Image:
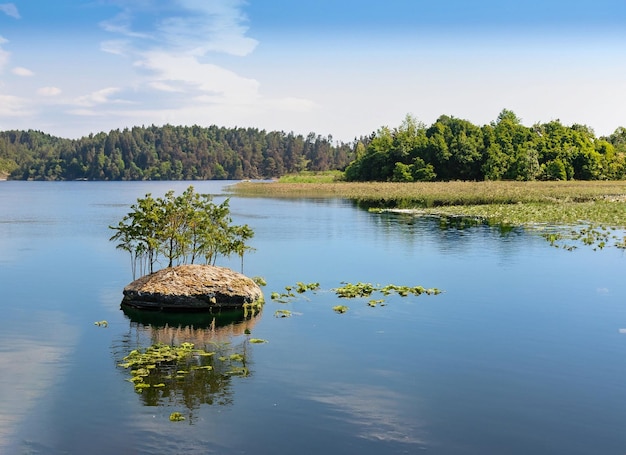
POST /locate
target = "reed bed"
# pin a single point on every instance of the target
(513, 203)
(432, 194)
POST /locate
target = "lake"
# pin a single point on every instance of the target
(521, 353)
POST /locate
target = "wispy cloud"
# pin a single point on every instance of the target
(10, 10)
(375, 411)
(49, 91)
(218, 26)
(122, 24)
(13, 106)
(4, 55)
(20, 71)
(166, 47)
(171, 47)
(206, 78)
(103, 96)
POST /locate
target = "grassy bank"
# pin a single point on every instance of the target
(515, 203)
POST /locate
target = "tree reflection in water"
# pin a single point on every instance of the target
(185, 376)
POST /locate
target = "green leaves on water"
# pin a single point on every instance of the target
(259, 280)
(176, 417)
(360, 290)
(289, 295)
(282, 313)
(161, 357)
(101, 324)
(591, 236)
(350, 291)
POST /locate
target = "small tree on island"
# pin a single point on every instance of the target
(180, 229)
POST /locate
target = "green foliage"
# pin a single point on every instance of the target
(176, 417)
(455, 149)
(288, 295)
(181, 229)
(312, 177)
(168, 153)
(260, 281)
(282, 313)
(555, 170)
(350, 291)
(257, 341)
(596, 237)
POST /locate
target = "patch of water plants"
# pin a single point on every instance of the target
(163, 372)
(349, 291)
(595, 237)
(282, 313)
(291, 292)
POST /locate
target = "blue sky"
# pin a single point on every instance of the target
(339, 67)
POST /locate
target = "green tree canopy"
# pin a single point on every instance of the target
(178, 230)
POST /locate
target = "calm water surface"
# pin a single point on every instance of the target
(521, 354)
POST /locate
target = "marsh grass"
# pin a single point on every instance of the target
(312, 177)
(506, 203)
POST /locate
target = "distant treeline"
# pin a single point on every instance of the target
(455, 149)
(168, 153)
(450, 149)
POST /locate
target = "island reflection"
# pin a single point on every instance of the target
(185, 360)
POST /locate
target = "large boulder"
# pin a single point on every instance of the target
(192, 288)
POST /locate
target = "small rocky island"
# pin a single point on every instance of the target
(192, 288)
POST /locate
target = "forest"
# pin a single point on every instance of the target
(449, 149)
(455, 149)
(168, 153)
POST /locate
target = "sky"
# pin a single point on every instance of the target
(343, 68)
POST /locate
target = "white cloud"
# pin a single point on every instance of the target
(102, 96)
(117, 47)
(20, 71)
(10, 10)
(49, 91)
(122, 24)
(376, 412)
(4, 55)
(13, 106)
(209, 79)
(164, 87)
(216, 26)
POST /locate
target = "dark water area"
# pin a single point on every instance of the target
(523, 352)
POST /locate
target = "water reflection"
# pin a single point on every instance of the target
(376, 411)
(29, 368)
(185, 360)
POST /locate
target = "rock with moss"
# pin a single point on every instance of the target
(192, 288)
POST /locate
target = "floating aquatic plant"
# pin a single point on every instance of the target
(289, 295)
(260, 281)
(176, 417)
(162, 357)
(592, 236)
(303, 287)
(101, 323)
(340, 308)
(257, 340)
(351, 291)
(282, 313)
